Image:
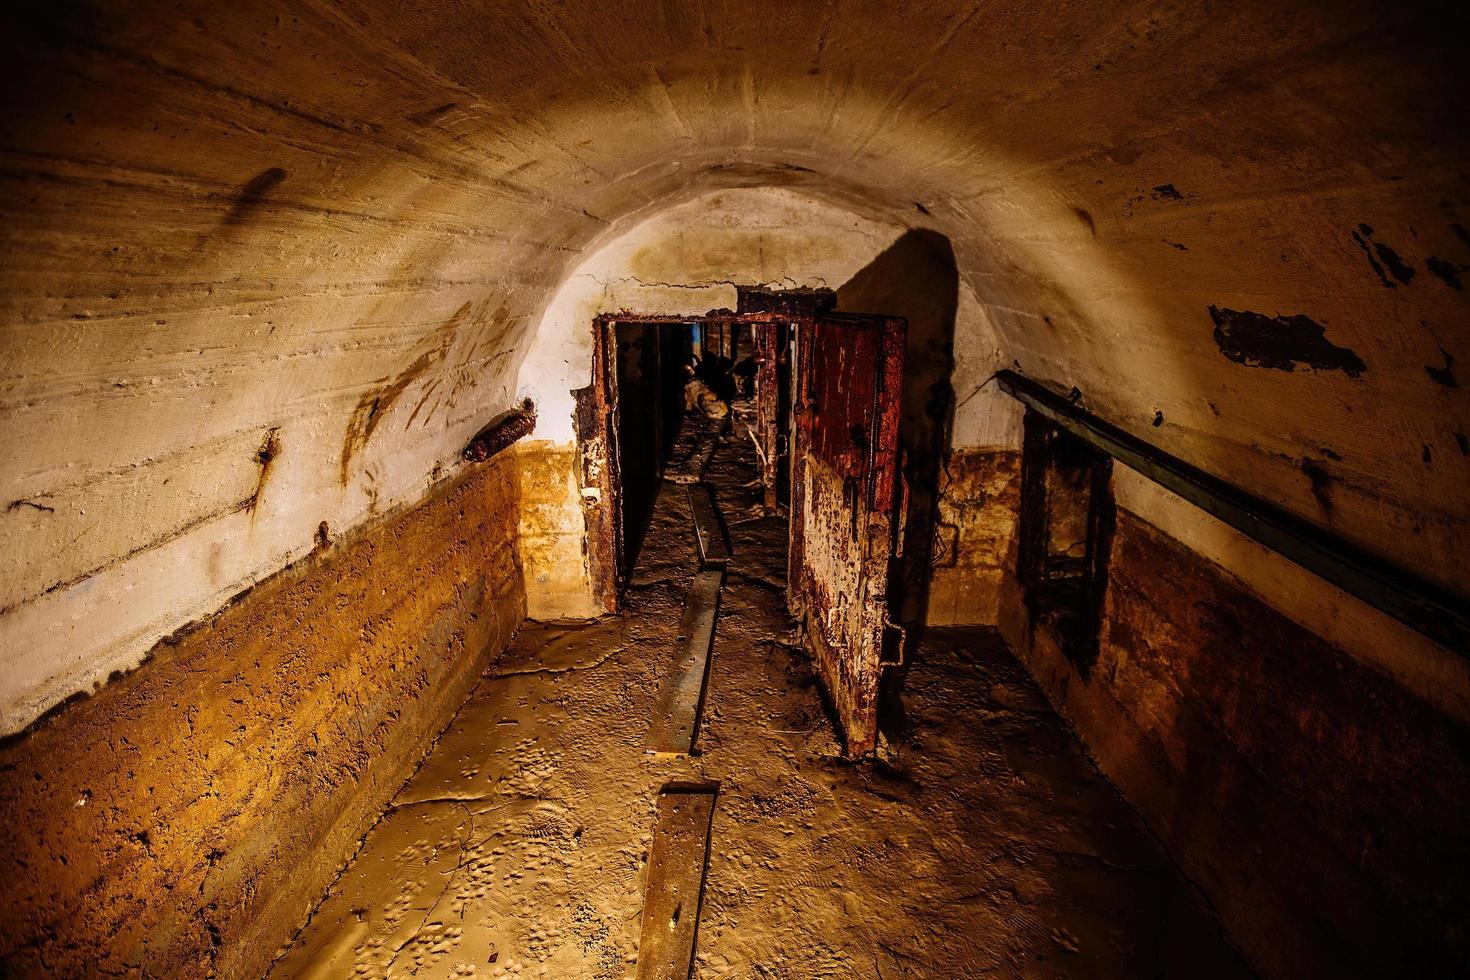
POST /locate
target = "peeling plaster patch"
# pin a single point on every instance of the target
(1373, 262)
(1443, 375)
(1280, 342)
(1386, 256)
(1447, 272)
(1400, 269)
(1159, 194)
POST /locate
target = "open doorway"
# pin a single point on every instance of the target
(1066, 532)
(819, 396)
(651, 365)
(659, 383)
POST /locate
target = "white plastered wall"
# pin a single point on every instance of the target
(689, 259)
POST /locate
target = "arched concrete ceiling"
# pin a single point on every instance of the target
(270, 264)
(691, 257)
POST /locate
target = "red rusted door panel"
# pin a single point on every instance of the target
(849, 380)
(766, 341)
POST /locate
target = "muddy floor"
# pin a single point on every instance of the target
(985, 845)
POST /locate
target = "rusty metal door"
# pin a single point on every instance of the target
(596, 424)
(845, 491)
(766, 339)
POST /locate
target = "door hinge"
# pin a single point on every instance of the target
(895, 643)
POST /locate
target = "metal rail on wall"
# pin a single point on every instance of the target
(1421, 605)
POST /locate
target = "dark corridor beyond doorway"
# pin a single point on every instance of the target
(651, 360)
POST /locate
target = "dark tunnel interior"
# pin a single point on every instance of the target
(816, 489)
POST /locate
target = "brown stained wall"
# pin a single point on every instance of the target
(974, 536)
(1317, 803)
(186, 817)
(1208, 216)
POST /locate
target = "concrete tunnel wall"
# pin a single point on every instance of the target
(329, 232)
(269, 265)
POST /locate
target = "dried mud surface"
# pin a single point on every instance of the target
(984, 844)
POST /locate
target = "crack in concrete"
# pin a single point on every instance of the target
(782, 283)
(556, 670)
(1104, 862)
(396, 805)
(448, 883)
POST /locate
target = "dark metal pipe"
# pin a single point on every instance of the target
(501, 433)
(1421, 605)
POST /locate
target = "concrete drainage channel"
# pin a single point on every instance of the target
(681, 832)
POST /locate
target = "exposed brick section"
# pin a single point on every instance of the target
(974, 535)
(1317, 803)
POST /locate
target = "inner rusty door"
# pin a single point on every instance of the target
(768, 343)
(598, 422)
(845, 488)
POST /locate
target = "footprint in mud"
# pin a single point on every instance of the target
(528, 770)
(550, 825)
(1066, 940)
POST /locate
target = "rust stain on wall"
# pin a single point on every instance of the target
(266, 455)
(374, 406)
(253, 195)
(183, 820)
